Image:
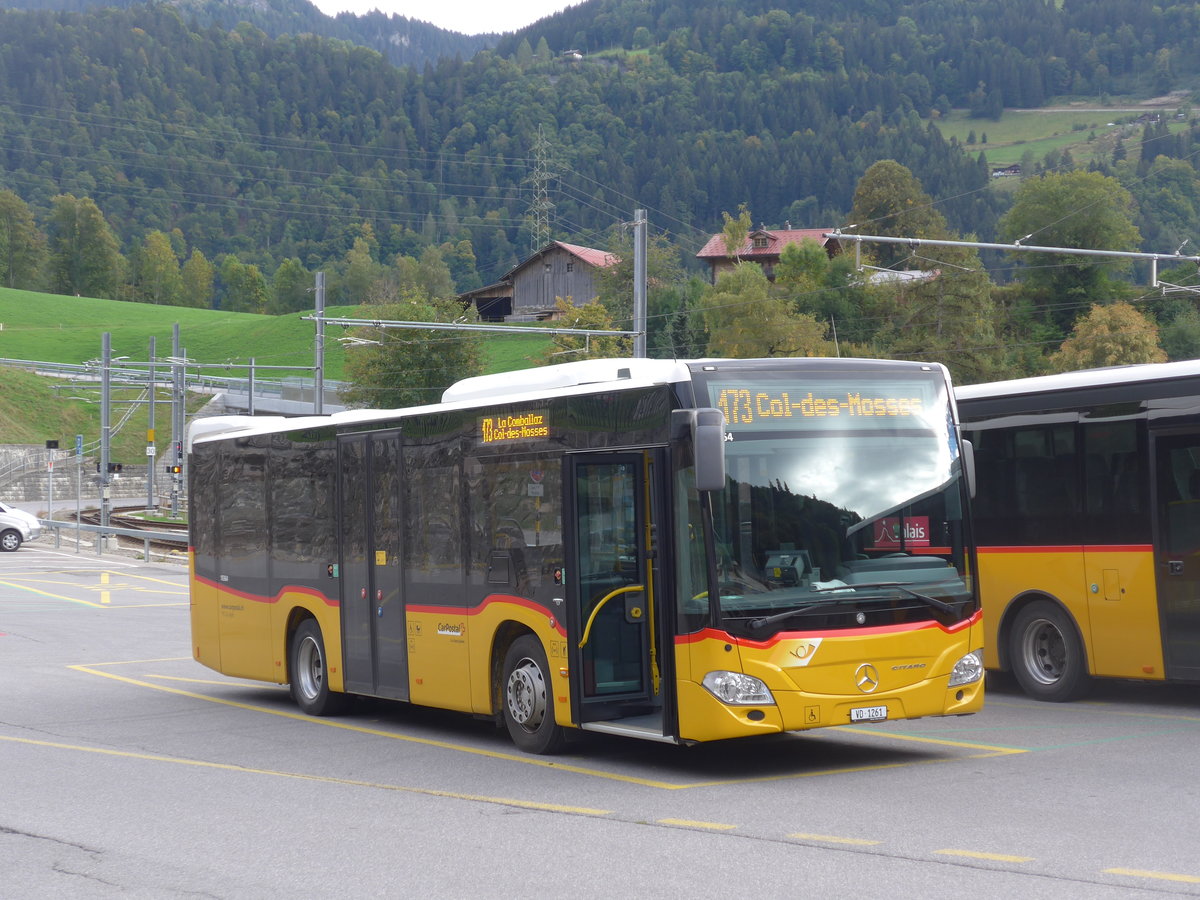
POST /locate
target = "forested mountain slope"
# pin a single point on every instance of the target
(281, 147)
(402, 40)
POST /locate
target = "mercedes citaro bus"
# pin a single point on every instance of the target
(673, 551)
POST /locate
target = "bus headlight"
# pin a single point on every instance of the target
(736, 689)
(967, 670)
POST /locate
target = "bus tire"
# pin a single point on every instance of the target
(1047, 655)
(309, 673)
(527, 698)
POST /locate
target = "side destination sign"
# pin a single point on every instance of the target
(526, 426)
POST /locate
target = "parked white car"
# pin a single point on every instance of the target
(16, 527)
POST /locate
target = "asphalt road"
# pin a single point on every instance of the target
(127, 769)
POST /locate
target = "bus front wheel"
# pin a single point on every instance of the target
(309, 673)
(1047, 655)
(527, 698)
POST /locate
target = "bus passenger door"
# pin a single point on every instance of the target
(614, 622)
(1177, 550)
(373, 629)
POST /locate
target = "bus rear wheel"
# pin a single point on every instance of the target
(1047, 655)
(527, 698)
(309, 673)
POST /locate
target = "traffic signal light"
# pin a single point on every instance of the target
(175, 470)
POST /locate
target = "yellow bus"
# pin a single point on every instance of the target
(672, 551)
(1087, 521)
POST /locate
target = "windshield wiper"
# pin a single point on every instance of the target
(757, 624)
(933, 602)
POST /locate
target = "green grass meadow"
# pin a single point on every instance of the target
(1086, 133)
(53, 328)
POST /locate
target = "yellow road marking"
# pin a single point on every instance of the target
(360, 729)
(831, 839)
(549, 764)
(139, 662)
(214, 681)
(479, 798)
(998, 751)
(1085, 706)
(104, 588)
(996, 857)
(22, 587)
(1161, 876)
(688, 823)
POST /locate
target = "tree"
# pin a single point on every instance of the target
(1180, 332)
(735, 231)
(614, 282)
(744, 319)
(22, 245)
(1084, 210)
(290, 288)
(409, 367)
(829, 290)
(949, 318)
(197, 275)
(889, 201)
(572, 347)
(243, 288)
(156, 271)
(674, 325)
(359, 272)
(428, 275)
(1113, 335)
(459, 258)
(84, 257)
(524, 54)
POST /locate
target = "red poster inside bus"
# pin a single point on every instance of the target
(890, 530)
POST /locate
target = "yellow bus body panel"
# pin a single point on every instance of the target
(328, 615)
(1110, 592)
(814, 678)
(439, 667)
(247, 637)
(450, 654)
(204, 606)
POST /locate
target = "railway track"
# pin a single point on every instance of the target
(121, 520)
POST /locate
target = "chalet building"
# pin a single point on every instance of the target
(528, 291)
(763, 247)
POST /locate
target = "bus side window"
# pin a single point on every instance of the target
(1114, 482)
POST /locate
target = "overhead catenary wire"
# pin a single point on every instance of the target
(1018, 246)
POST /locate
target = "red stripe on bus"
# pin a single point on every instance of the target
(715, 634)
(1073, 548)
(259, 598)
(503, 599)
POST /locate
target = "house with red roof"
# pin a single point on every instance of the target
(528, 291)
(763, 246)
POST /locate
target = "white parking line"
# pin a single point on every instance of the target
(32, 556)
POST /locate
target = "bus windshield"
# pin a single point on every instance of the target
(844, 520)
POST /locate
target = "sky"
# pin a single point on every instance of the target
(466, 16)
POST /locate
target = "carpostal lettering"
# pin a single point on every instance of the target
(519, 427)
(452, 628)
